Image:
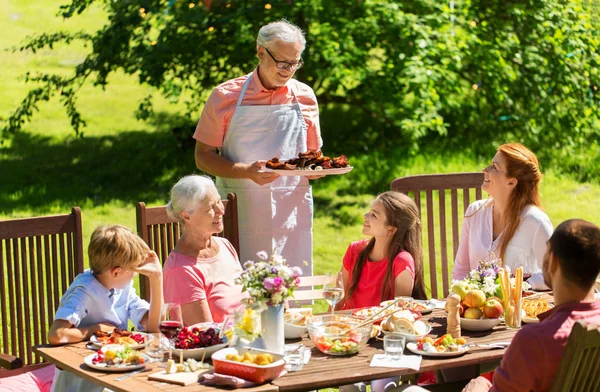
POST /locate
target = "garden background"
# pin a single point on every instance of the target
(404, 88)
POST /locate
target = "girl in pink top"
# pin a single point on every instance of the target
(199, 273)
(369, 276)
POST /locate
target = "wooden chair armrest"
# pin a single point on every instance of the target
(10, 362)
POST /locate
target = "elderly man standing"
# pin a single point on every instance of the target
(251, 119)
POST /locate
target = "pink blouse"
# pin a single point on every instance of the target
(187, 279)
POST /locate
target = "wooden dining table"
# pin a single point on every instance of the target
(322, 371)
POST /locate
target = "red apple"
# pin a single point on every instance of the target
(475, 298)
(461, 309)
(473, 314)
(492, 308)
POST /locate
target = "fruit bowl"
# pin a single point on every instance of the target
(247, 371)
(199, 342)
(334, 335)
(477, 325)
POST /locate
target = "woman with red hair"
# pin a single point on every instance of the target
(509, 224)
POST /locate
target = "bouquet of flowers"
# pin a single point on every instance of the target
(269, 281)
(485, 277)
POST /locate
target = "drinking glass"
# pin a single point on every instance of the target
(333, 290)
(153, 346)
(393, 345)
(294, 356)
(171, 323)
(247, 323)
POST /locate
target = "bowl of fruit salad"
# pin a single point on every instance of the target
(338, 334)
(198, 342)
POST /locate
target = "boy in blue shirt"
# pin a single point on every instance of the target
(103, 297)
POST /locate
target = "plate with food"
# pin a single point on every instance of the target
(116, 358)
(134, 340)
(533, 308)
(530, 294)
(445, 346)
(310, 163)
(405, 323)
(312, 172)
(295, 322)
(423, 306)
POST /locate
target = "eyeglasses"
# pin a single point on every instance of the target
(284, 64)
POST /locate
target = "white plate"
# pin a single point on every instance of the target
(113, 368)
(97, 344)
(413, 347)
(478, 325)
(304, 173)
(410, 337)
(530, 320)
(428, 306)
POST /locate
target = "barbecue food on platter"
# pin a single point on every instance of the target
(310, 160)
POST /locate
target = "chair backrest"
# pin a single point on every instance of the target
(579, 368)
(39, 258)
(444, 188)
(161, 232)
(307, 292)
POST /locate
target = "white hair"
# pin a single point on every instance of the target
(283, 31)
(188, 193)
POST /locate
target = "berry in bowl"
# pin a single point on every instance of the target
(198, 342)
(338, 334)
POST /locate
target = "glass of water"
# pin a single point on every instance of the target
(333, 290)
(294, 356)
(155, 347)
(393, 345)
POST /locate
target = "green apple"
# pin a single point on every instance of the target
(461, 289)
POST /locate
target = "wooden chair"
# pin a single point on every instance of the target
(579, 368)
(307, 293)
(161, 232)
(440, 187)
(39, 258)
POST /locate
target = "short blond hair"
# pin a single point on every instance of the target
(115, 246)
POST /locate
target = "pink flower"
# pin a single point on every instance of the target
(269, 284)
(278, 281)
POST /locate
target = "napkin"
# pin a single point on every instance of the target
(406, 361)
(228, 381)
(307, 354)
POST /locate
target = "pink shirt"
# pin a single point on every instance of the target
(532, 359)
(220, 106)
(187, 279)
(368, 292)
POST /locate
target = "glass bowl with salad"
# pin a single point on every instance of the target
(338, 334)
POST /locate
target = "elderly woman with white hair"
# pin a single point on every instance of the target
(251, 119)
(199, 273)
